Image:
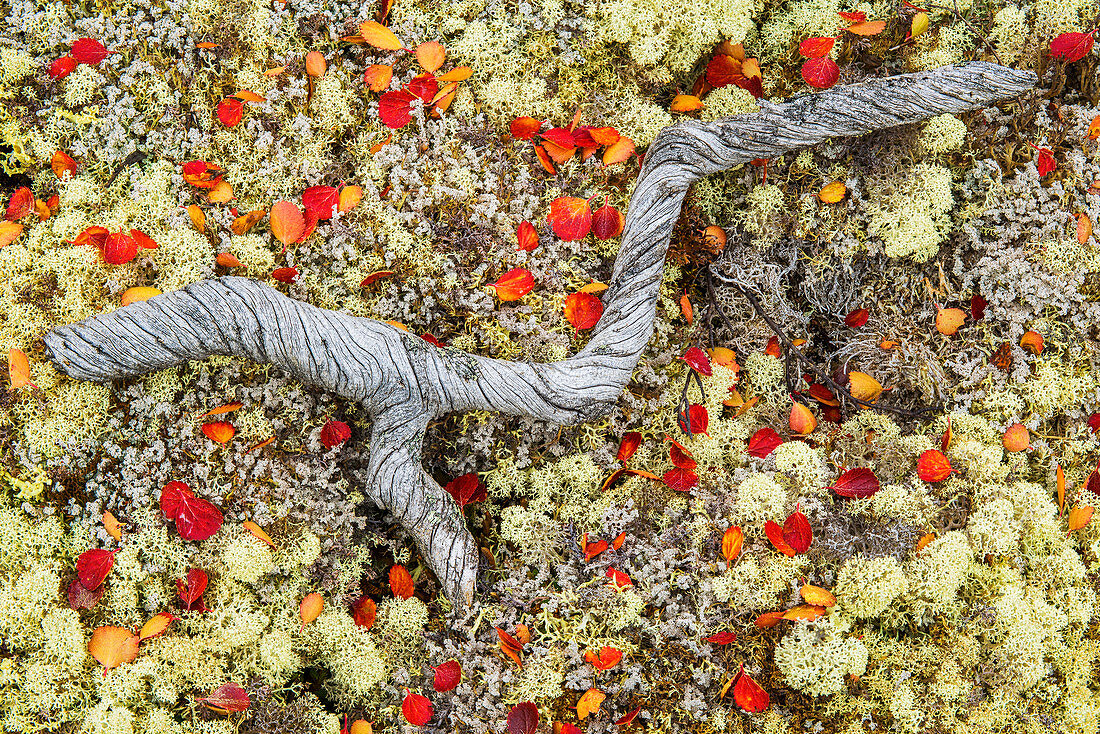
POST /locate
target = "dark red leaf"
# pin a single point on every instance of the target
(625, 719)
(680, 456)
(560, 137)
(447, 676)
(285, 275)
(607, 222)
(696, 421)
(682, 480)
(1071, 47)
(523, 718)
(195, 518)
(364, 612)
(376, 275)
(860, 482)
(335, 433)
(724, 637)
(395, 108)
(92, 566)
(857, 318)
(697, 359)
(763, 442)
(1045, 162)
(89, 51)
(977, 306)
(853, 16)
(1093, 483)
(81, 597)
(191, 590)
(320, 200)
(630, 443)
(416, 708)
(1094, 422)
(797, 532)
(466, 489)
(229, 697)
(821, 73)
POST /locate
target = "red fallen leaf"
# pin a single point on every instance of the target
(617, 543)
(823, 395)
(191, 590)
(813, 48)
(93, 565)
(401, 583)
(425, 86)
(570, 217)
(524, 128)
(582, 137)
(466, 489)
(1070, 47)
(61, 162)
(696, 420)
(591, 550)
(1094, 422)
(772, 349)
(797, 532)
(219, 431)
(619, 579)
(821, 73)
(510, 646)
(395, 108)
(523, 718)
(230, 111)
(860, 482)
(376, 275)
(763, 442)
(229, 697)
(81, 597)
(144, 241)
(748, 694)
(1093, 483)
(321, 200)
(857, 318)
(20, 204)
(335, 433)
(977, 306)
(310, 224)
(933, 466)
(682, 480)
(364, 612)
(203, 174)
(285, 275)
(630, 443)
(416, 709)
(623, 720)
(768, 620)
(119, 248)
(1045, 162)
(606, 658)
(514, 284)
(775, 535)
(724, 637)
(89, 51)
(95, 236)
(697, 359)
(607, 222)
(62, 67)
(680, 457)
(527, 237)
(195, 518)
(583, 310)
(447, 676)
(853, 16)
(723, 70)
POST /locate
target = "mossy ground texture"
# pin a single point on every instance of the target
(993, 626)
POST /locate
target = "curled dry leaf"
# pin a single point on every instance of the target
(1032, 341)
(510, 646)
(401, 582)
(113, 646)
(593, 549)
(1084, 227)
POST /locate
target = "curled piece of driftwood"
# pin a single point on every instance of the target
(404, 382)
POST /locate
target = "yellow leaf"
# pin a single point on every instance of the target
(138, 293)
(19, 369)
(379, 36)
(864, 387)
(948, 320)
(919, 25)
(221, 193)
(590, 702)
(275, 71)
(112, 526)
(686, 103)
(1078, 517)
(258, 532)
(113, 646)
(594, 287)
(725, 357)
(350, 196)
(361, 726)
(9, 231)
(817, 596)
(198, 218)
(832, 193)
(155, 626)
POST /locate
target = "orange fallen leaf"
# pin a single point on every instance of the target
(510, 646)
(948, 320)
(514, 284)
(379, 36)
(113, 646)
(222, 409)
(1032, 341)
(1078, 518)
(310, 608)
(258, 532)
(378, 77)
(401, 582)
(769, 619)
(19, 369)
(198, 217)
(605, 658)
(9, 232)
(832, 193)
(156, 626)
(924, 541)
(590, 702)
(287, 222)
(112, 526)
(1060, 481)
(431, 55)
(686, 310)
(246, 222)
(138, 293)
(805, 612)
(219, 431)
(685, 103)
(731, 542)
(619, 151)
(817, 596)
(864, 387)
(457, 74)
(802, 420)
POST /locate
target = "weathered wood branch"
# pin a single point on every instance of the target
(404, 382)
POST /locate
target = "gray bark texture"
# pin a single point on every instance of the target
(404, 382)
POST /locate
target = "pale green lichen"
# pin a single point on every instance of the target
(815, 657)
